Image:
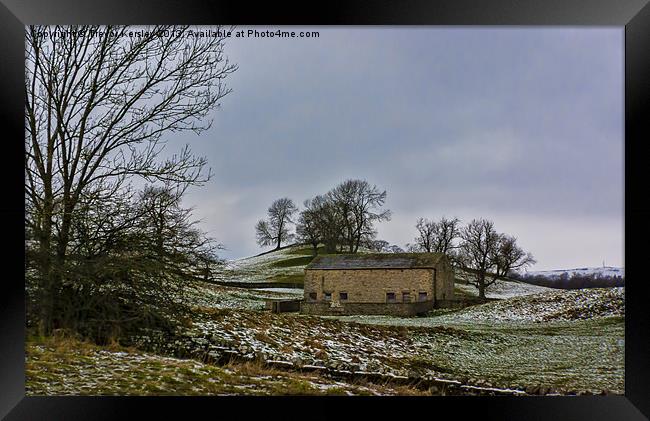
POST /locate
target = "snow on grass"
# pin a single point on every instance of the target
(298, 340)
(552, 306)
(535, 337)
(206, 295)
(548, 306)
(297, 292)
(562, 352)
(604, 271)
(262, 268)
(69, 367)
(501, 289)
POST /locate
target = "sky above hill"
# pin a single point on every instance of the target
(523, 126)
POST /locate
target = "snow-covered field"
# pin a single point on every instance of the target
(260, 268)
(296, 293)
(532, 339)
(533, 335)
(221, 297)
(71, 367)
(502, 289)
(562, 305)
(605, 271)
(562, 340)
(553, 306)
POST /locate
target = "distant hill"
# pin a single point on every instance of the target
(605, 271)
(587, 277)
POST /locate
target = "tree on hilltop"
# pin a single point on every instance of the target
(479, 242)
(485, 255)
(275, 229)
(435, 237)
(358, 205)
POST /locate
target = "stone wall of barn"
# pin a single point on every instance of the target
(368, 285)
(344, 309)
(364, 291)
(372, 285)
(445, 283)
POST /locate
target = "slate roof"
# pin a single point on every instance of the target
(376, 261)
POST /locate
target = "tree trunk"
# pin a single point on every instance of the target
(481, 286)
(330, 247)
(46, 292)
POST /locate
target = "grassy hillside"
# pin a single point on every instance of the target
(284, 265)
(532, 341)
(287, 265)
(57, 366)
(536, 341)
(501, 289)
(561, 357)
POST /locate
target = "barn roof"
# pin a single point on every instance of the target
(376, 261)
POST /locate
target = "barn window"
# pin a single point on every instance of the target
(343, 296)
(422, 296)
(390, 297)
(313, 296)
(406, 297)
(328, 296)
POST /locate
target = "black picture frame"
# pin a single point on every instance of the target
(633, 15)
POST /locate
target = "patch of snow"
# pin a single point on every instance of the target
(492, 389)
(554, 305)
(292, 291)
(502, 289)
(604, 271)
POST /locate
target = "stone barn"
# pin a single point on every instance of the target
(401, 284)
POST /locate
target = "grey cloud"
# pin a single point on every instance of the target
(505, 121)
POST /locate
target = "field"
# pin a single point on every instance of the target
(285, 265)
(533, 340)
(65, 366)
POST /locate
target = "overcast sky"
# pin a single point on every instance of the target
(523, 126)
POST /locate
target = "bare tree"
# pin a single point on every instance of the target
(479, 243)
(379, 246)
(328, 222)
(434, 236)
(128, 261)
(487, 256)
(424, 240)
(394, 248)
(98, 102)
(383, 246)
(308, 227)
(508, 256)
(275, 230)
(358, 204)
